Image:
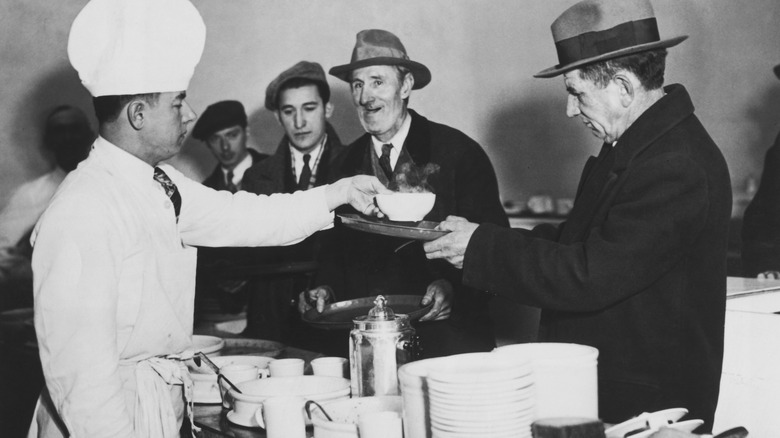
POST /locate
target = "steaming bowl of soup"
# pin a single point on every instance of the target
(406, 207)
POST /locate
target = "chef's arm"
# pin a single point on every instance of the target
(75, 321)
(219, 218)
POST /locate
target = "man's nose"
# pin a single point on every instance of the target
(365, 97)
(572, 107)
(224, 144)
(188, 114)
(299, 120)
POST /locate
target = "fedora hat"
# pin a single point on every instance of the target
(380, 47)
(598, 30)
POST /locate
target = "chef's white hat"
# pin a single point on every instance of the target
(136, 46)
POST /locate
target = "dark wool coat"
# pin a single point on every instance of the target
(365, 264)
(639, 268)
(271, 311)
(217, 179)
(761, 222)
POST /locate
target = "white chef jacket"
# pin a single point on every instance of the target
(114, 276)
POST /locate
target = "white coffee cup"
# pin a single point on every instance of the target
(382, 424)
(286, 367)
(282, 417)
(236, 373)
(329, 366)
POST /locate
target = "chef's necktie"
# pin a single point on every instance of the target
(229, 182)
(170, 189)
(384, 161)
(303, 181)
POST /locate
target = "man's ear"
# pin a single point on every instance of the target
(328, 110)
(626, 88)
(136, 113)
(277, 115)
(407, 85)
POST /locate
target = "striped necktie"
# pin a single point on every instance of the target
(384, 161)
(170, 189)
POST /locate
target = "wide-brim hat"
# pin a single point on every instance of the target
(597, 30)
(380, 47)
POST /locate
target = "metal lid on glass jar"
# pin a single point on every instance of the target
(381, 318)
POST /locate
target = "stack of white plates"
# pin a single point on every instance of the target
(565, 377)
(481, 395)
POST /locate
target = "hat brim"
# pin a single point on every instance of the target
(560, 69)
(422, 76)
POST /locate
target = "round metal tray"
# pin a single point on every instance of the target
(423, 230)
(339, 316)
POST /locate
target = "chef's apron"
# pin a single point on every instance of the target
(157, 389)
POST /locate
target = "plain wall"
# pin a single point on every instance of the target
(482, 55)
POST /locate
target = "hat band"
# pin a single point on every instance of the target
(592, 44)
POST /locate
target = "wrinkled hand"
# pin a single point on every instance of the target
(769, 275)
(440, 293)
(357, 191)
(666, 432)
(452, 246)
(318, 297)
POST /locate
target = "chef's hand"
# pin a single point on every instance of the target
(666, 432)
(440, 293)
(314, 298)
(452, 246)
(769, 275)
(357, 191)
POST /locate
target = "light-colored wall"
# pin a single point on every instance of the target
(482, 55)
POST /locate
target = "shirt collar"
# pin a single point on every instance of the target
(240, 168)
(121, 161)
(398, 139)
(298, 155)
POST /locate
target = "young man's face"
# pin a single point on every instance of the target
(165, 125)
(228, 145)
(303, 116)
(379, 95)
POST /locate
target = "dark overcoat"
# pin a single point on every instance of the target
(761, 222)
(639, 268)
(365, 264)
(271, 311)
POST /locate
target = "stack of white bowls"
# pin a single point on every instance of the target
(565, 377)
(480, 395)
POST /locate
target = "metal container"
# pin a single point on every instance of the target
(380, 342)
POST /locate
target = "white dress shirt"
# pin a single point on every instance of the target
(114, 277)
(397, 141)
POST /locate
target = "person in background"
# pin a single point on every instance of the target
(67, 137)
(761, 221)
(114, 253)
(305, 158)
(223, 128)
(401, 145)
(638, 269)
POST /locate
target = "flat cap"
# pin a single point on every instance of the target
(218, 116)
(302, 70)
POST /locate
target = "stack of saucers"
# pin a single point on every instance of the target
(481, 395)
